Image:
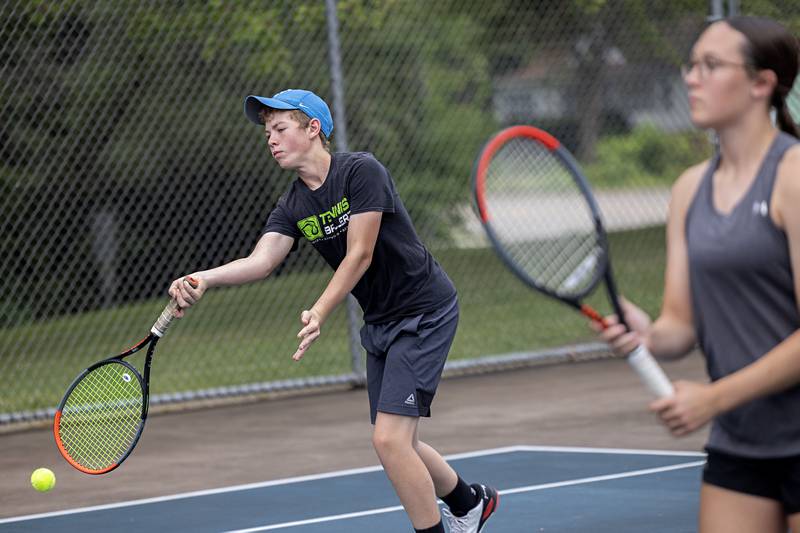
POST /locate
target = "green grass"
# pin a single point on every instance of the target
(500, 314)
(240, 335)
(247, 334)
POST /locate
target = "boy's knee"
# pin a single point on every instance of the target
(389, 441)
(384, 441)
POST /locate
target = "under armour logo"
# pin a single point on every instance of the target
(410, 400)
(760, 208)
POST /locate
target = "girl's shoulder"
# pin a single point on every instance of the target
(685, 187)
(788, 172)
(790, 163)
(786, 192)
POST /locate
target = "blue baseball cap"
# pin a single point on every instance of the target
(306, 101)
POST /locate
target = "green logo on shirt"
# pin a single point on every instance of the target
(309, 226)
(328, 223)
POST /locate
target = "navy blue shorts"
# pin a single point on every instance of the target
(405, 359)
(776, 479)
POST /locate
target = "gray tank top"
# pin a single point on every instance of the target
(744, 304)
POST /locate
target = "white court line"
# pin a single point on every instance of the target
(631, 473)
(624, 451)
(338, 473)
(518, 490)
(320, 519)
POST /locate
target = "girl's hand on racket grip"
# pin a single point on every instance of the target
(691, 407)
(187, 290)
(311, 330)
(619, 339)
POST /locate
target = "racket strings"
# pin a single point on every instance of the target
(98, 433)
(102, 416)
(541, 217)
(563, 268)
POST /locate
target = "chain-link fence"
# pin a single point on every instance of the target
(126, 161)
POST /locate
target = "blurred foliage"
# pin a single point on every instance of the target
(135, 110)
(646, 157)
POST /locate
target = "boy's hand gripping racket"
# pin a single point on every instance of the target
(102, 415)
(544, 223)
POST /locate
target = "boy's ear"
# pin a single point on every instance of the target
(314, 127)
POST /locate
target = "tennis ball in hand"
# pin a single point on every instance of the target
(43, 479)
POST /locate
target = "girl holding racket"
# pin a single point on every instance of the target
(732, 280)
(347, 207)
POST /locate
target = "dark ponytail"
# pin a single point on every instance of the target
(770, 46)
(785, 120)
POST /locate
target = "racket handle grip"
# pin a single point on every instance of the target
(650, 372)
(166, 318)
(168, 314)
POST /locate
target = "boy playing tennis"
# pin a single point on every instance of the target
(347, 207)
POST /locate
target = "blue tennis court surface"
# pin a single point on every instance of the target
(548, 489)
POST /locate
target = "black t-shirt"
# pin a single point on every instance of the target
(403, 279)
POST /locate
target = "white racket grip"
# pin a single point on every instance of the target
(650, 372)
(166, 318)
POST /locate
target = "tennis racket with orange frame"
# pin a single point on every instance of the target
(544, 223)
(102, 415)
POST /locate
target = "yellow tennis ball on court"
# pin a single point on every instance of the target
(43, 479)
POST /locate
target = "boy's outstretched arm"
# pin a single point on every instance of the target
(269, 252)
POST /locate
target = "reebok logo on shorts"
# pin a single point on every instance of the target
(411, 400)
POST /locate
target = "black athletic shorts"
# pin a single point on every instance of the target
(776, 479)
(405, 359)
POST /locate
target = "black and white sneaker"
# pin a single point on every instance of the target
(473, 521)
